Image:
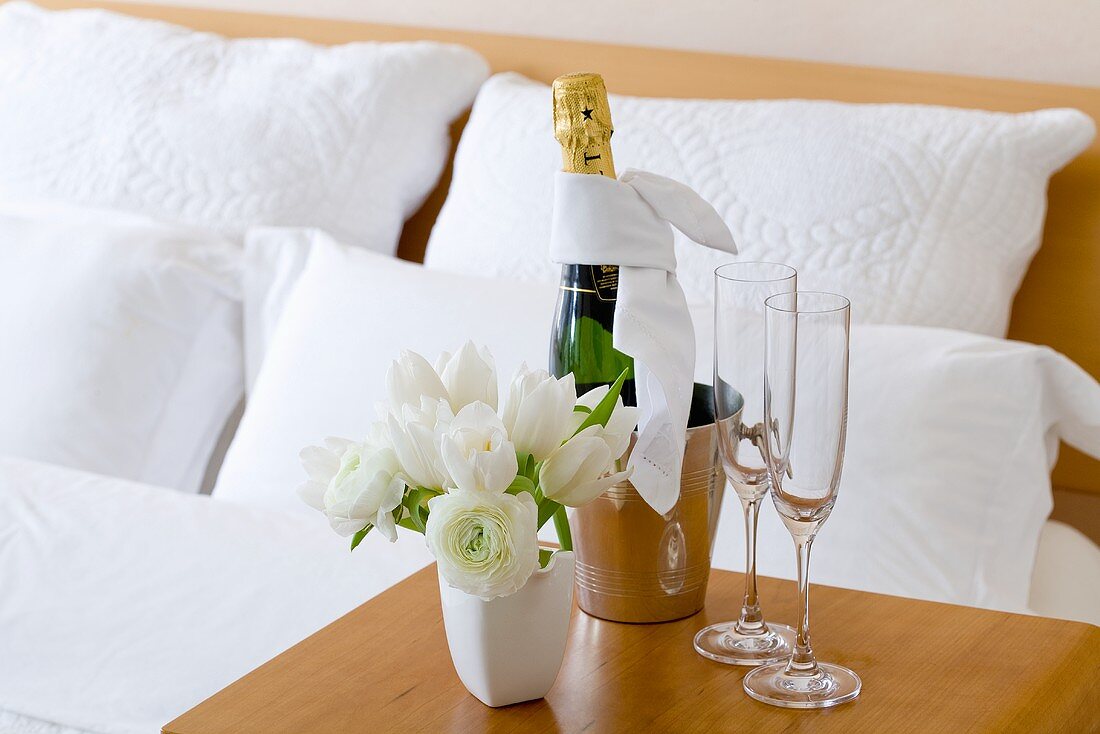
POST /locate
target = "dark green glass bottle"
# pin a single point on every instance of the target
(581, 340)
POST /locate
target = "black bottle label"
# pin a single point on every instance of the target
(601, 280)
(605, 278)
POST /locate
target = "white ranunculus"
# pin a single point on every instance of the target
(623, 421)
(410, 379)
(580, 470)
(538, 412)
(484, 544)
(476, 450)
(415, 434)
(469, 376)
(353, 484)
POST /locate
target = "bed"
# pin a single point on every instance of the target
(1058, 305)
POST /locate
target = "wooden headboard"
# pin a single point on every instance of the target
(1059, 303)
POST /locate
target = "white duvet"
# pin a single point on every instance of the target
(123, 605)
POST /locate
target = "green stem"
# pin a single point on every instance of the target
(561, 525)
(544, 556)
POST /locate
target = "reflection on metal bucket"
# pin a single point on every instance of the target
(673, 553)
(634, 565)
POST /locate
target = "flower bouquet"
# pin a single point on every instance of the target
(479, 483)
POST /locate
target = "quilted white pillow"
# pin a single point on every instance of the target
(921, 215)
(110, 110)
(120, 345)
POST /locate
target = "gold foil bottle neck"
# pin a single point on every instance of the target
(582, 124)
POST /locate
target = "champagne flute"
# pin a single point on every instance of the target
(739, 293)
(806, 412)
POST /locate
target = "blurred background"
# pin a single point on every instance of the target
(1050, 41)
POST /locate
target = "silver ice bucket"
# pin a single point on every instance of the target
(634, 565)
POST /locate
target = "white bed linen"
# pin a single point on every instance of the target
(324, 367)
(951, 435)
(13, 723)
(123, 604)
(120, 341)
(1066, 580)
(920, 215)
(946, 478)
(108, 109)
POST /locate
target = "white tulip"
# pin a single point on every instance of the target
(415, 434)
(353, 484)
(580, 470)
(538, 412)
(321, 464)
(623, 421)
(469, 376)
(477, 452)
(410, 379)
(484, 544)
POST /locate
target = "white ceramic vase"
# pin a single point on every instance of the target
(509, 649)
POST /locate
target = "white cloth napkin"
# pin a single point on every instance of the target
(628, 222)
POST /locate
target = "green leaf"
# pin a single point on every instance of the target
(521, 484)
(410, 505)
(601, 414)
(358, 537)
(407, 523)
(581, 409)
(547, 508)
(415, 501)
(545, 554)
(521, 462)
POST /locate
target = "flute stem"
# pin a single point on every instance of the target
(751, 621)
(802, 661)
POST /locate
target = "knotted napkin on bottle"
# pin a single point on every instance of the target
(628, 222)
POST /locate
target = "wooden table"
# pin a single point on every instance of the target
(926, 667)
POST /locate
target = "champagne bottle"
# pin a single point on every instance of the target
(581, 340)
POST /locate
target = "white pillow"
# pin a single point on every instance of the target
(324, 369)
(124, 605)
(111, 110)
(950, 441)
(946, 478)
(121, 342)
(921, 215)
(274, 258)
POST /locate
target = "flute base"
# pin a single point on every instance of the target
(724, 644)
(832, 685)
